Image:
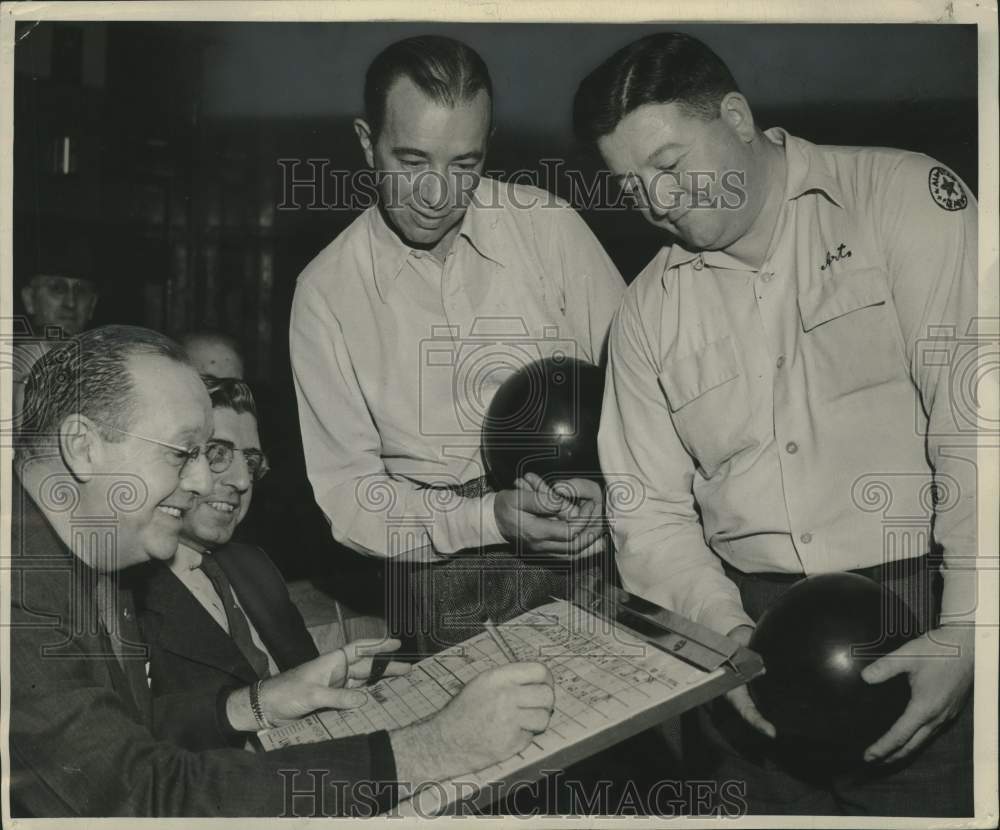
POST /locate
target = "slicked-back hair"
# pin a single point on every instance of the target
(230, 393)
(444, 69)
(88, 375)
(663, 68)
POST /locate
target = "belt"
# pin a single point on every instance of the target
(880, 573)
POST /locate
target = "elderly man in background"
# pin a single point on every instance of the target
(59, 291)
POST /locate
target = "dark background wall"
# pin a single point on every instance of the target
(176, 131)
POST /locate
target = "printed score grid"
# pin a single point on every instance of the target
(604, 676)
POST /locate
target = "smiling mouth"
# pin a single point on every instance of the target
(221, 506)
(170, 510)
(430, 220)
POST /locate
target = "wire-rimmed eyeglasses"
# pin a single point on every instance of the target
(218, 453)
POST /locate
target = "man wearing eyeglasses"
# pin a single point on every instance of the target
(218, 616)
(114, 457)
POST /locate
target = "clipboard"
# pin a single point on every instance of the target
(688, 665)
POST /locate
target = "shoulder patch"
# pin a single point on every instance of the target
(946, 189)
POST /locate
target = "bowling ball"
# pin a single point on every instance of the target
(815, 639)
(544, 419)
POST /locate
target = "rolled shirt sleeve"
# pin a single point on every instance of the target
(387, 345)
(343, 451)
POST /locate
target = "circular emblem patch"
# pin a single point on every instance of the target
(946, 189)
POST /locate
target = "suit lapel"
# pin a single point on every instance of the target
(128, 676)
(192, 632)
(245, 568)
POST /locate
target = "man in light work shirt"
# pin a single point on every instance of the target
(405, 325)
(767, 375)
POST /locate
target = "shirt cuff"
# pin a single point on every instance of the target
(491, 531)
(471, 526)
(959, 596)
(383, 770)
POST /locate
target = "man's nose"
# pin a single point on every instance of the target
(432, 189)
(238, 474)
(664, 194)
(196, 477)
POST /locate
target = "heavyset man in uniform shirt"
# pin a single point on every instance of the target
(761, 369)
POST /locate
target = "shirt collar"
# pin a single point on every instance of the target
(389, 253)
(186, 559)
(806, 173)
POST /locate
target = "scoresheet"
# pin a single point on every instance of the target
(604, 676)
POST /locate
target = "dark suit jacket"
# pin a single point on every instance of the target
(193, 660)
(80, 738)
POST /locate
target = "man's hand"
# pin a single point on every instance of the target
(351, 666)
(563, 519)
(491, 719)
(740, 698)
(317, 684)
(940, 666)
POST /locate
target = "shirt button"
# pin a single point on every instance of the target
(792, 447)
(806, 538)
(699, 263)
(767, 277)
(781, 361)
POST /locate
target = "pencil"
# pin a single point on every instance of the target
(501, 643)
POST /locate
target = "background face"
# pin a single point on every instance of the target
(429, 157)
(172, 406)
(216, 513)
(65, 302)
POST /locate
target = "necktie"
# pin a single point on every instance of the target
(239, 627)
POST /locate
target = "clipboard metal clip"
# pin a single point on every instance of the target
(668, 631)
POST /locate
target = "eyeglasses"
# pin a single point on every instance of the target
(185, 454)
(218, 453)
(220, 456)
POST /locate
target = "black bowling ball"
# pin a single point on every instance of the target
(544, 419)
(815, 640)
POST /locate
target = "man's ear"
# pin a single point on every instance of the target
(81, 446)
(363, 130)
(28, 298)
(735, 110)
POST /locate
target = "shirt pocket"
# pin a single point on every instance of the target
(851, 335)
(707, 396)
